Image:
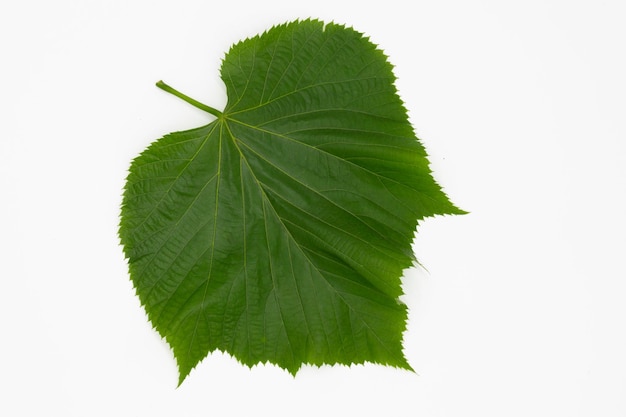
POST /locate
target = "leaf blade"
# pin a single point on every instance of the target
(278, 233)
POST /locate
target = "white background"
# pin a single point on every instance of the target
(521, 106)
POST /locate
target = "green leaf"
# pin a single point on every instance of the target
(278, 232)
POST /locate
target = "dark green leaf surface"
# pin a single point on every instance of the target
(278, 233)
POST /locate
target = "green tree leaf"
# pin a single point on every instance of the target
(278, 232)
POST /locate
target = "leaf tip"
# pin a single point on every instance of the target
(183, 373)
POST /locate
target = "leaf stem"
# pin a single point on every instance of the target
(189, 100)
